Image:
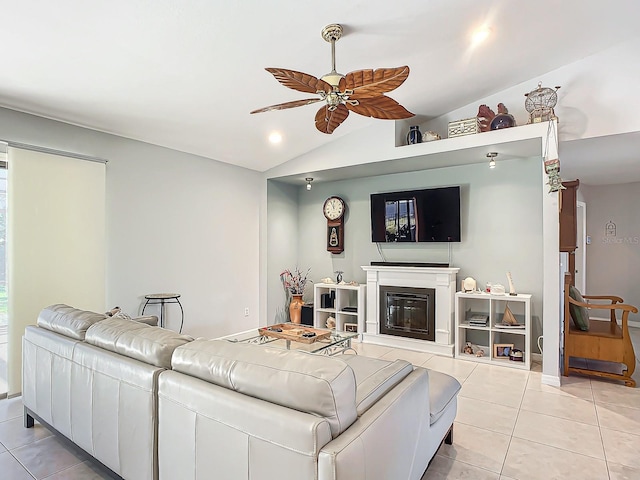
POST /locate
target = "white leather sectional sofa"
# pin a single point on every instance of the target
(152, 404)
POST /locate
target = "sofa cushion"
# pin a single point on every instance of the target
(316, 384)
(375, 377)
(153, 345)
(68, 321)
(443, 389)
(579, 314)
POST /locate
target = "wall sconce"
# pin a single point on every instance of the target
(492, 161)
(308, 180)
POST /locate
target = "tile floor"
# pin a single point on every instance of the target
(509, 427)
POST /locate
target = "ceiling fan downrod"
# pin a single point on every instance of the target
(332, 33)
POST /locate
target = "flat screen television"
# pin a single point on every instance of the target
(428, 215)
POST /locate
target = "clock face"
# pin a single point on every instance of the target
(333, 208)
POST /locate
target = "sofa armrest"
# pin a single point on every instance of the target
(384, 442)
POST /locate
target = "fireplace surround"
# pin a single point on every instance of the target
(442, 282)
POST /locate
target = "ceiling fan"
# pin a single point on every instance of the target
(360, 91)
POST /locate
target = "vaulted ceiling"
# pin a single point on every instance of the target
(185, 74)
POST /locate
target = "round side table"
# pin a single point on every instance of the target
(162, 299)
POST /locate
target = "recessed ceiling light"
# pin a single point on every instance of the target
(275, 137)
(480, 35)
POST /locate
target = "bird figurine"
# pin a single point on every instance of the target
(485, 115)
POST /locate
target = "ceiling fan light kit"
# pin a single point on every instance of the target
(360, 91)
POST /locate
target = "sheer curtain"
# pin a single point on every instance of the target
(55, 241)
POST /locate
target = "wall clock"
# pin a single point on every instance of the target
(334, 209)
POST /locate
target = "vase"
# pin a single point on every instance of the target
(295, 308)
(414, 135)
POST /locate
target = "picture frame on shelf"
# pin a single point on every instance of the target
(351, 327)
(502, 350)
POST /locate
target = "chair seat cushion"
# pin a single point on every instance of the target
(579, 314)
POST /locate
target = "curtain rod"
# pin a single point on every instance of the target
(37, 148)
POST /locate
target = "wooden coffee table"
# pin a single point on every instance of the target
(332, 343)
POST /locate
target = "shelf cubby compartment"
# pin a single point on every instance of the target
(347, 296)
(483, 305)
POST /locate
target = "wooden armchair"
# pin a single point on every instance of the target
(605, 340)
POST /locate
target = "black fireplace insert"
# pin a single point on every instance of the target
(408, 312)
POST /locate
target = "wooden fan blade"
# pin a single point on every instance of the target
(327, 121)
(283, 106)
(302, 82)
(342, 85)
(371, 83)
(380, 107)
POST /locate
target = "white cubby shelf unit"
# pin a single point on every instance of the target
(345, 296)
(492, 307)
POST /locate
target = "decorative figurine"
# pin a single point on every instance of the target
(552, 168)
(430, 136)
(489, 120)
(512, 288)
(468, 348)
(331, 323)
(338, 275)
(469, 284)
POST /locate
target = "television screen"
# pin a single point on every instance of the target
(428, 215)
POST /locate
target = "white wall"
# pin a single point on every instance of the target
(175, 222)
(593, 99)
(498, 233)
(613, 261)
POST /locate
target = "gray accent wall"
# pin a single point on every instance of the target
(282, 245)
(501, 226)
(613, 257)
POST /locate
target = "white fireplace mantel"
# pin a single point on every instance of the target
(442, 279)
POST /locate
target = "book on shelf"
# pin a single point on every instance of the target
(480, 319)
(477, 324)
(509, 326)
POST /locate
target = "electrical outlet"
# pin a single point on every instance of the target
(246, 311)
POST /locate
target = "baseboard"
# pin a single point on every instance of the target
(552, 380)
(395, 341)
